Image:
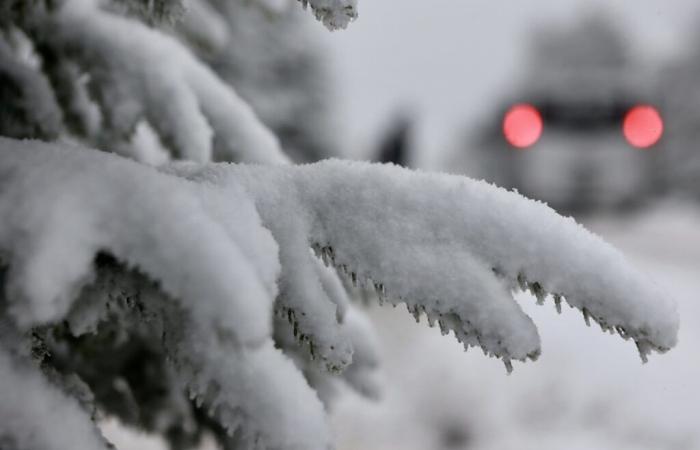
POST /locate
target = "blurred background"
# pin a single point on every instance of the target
(429, 84)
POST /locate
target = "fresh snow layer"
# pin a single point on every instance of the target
(334, 14)
(452, 248)
(195, 114)
(62, 205)
(35, 414)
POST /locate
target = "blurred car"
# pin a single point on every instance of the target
(576, 150)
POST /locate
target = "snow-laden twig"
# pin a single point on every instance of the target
(452, 248)
(308, 299)
(30, 106)
(255, 394)
(62, 205)
(35, 414)
(196, 114)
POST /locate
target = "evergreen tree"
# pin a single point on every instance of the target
(211, 294)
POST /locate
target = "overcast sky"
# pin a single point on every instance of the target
(448, 59)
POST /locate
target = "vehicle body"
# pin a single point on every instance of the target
(582, 161)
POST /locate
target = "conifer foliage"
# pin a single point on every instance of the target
(188, 279)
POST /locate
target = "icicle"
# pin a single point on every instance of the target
(443, 327)
(622, 332)
(643, 349)
(586, 317)
(416, 314)
(538, 292)
(602, 326)
(509, 365)
(330, 255)
(557, 303)
(522, 283)
(534, 355)
(353, 278)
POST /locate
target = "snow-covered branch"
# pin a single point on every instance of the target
(35, 414)
(254, 393)
(218, 280)
(451, 248)
(33, 111)
(62, 205)
(196, 115)
(202, 251)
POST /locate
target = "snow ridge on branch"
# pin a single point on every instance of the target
(452, 248)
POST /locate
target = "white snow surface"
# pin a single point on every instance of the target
(195, 113)
(253, 392)
(262, 390)
(38, 102)
(34, 414)
(335, 14)
(62, 205)
(450, 247)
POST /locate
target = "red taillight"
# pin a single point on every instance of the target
(643, 126)
(522, 125)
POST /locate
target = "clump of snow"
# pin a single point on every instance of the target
(31, 105)
(262, 389)
(254, 392)
(203, 26)
(362, 373)
(195, 114)
(157, 11)
(62, 205)
(307, 299)
(335, 14)
(35, 414)
(451, 248)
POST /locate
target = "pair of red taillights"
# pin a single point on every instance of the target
(642, 126)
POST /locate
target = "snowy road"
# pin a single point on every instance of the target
(589, 390)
